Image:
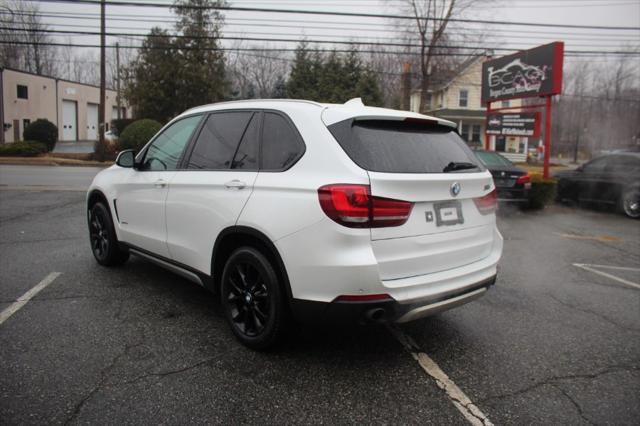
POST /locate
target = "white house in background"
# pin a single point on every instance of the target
(71, 106)
(458, 99)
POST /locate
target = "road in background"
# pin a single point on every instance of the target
(550, 343)
(47, 177)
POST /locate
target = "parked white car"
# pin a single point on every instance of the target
(298, 210)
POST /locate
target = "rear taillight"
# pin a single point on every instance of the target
(354, 206)
(524, 179)
(488, 203)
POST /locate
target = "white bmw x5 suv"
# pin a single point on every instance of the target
(298, 210)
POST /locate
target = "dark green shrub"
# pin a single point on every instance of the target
(543, 192)
(119, 124)
(42, 131)
(138, 133)
(22, 149)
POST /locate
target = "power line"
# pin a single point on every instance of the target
(271, 49)
(285, 23)
(290, 40)
(334, 13)
(253, 33)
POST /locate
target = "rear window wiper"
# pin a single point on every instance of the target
(453, 166)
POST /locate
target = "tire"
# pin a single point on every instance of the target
(630, 202)
(102, 236)
(252, 299)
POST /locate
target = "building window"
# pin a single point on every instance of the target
(475, 133)
(463, 99)
(23, 92)
(464, 132)
(505, 104)
(25, 123)
(428, 101)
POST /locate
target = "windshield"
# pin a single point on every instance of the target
(492, 159)
(402, 147)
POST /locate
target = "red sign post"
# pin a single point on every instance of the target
(529, 73)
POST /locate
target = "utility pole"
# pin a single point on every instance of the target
(118, 79)
(101, 108)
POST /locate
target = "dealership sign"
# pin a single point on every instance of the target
(534, 72)
(523, 124)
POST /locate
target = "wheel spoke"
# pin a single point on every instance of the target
(261, 292)
(239, 315)
(259, 314)
(249, 323)
(259, 325)
(234, 287)
(242, 275)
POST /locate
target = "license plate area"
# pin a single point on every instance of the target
(505, 183)
(448, 213)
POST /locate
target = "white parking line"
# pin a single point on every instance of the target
(461, 401)
(22, 300)
(590, 268)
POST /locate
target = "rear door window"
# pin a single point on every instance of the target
(216, 144)
(402, 147)
(246, 156)
(282, 146)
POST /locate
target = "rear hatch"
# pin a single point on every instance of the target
(426, 163)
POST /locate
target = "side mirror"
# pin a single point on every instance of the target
(126, 158)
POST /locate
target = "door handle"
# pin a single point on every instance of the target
(235, 184)
(160, 184)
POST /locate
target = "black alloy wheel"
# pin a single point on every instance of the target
(251, 299)
(102, 235)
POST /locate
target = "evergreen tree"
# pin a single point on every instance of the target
(368, 89)
(332, 78)
(173, 74)
(200, 70)
(280, 88)
(151, 83)
(303, 81)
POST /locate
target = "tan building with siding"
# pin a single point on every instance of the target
(71, 106)
(459, 100)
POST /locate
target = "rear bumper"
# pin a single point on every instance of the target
(341, 261)
(339, 312)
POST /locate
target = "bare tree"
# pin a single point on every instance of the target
(24, 32)
(599, 107)
(255, 74)
(430, 31)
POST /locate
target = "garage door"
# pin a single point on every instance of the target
(92, 122)
(69, 120)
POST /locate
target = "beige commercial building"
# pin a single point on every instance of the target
(71, 106)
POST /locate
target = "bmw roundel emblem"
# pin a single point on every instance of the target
(455, 189)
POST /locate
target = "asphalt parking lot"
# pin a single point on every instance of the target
(552, 342)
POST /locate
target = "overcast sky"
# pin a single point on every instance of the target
(139, 20)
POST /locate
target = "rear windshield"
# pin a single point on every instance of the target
(402, 147)
(492, 159)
